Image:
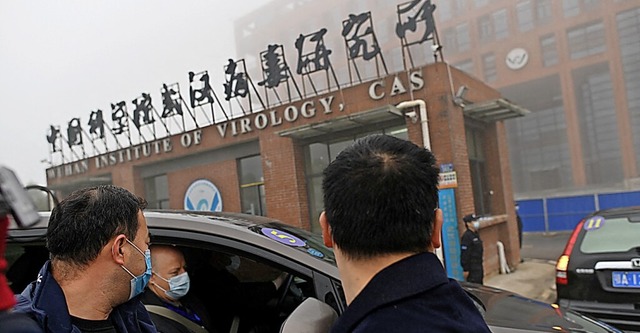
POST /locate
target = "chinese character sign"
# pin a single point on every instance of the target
(96, 124)
(53, 138)
(358, 34)
(411, 15)
(237, 84)
(171, 100)
(274, 66)
(200, 90)
(315, 60)
(120, 117)
(142, 112)
(74, 132)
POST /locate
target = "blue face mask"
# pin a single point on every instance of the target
(178, 285)
(138, 283)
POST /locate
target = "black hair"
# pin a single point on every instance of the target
(84, 222)
(380, 197)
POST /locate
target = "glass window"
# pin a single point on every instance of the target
(570, 8)
(465, 66)
(252, 196)
(477, 167)
(485, 28)
(628, 23)
(500, 24)
(462, 37)
(586, 40)
(613, 235)
(549, 50)
(525, 15)
(156, 192)
(544, 11)
(598, 125)
(489, 67)
(329, 149)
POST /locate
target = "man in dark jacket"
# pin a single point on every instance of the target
(382, 219)
(100, 263)
(471, 251)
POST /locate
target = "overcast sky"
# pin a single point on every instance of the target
(62, 59)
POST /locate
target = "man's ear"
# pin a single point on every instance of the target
(117, 252)
(437, 229)
(326, 230)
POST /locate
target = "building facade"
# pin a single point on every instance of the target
(575, 64)
(269, 160)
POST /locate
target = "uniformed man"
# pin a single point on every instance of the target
(471, 250)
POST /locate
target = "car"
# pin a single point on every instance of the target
(598, 272)
(259, 249)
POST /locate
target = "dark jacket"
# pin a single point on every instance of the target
(412, 295)
(471, 251)
(167, 325)
(44, 301)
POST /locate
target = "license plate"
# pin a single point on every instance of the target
(625, 279)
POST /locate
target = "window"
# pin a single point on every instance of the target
(570, 8)
(544, 11)
(549, 50)
(485, 28)
(489, 67)
(598, 124)
(252, 195)
(500, 24)
(444, 10)
(156, 191)
(614, 235)
(465, 66)
(586, 40)
(462, 37)
(477, 166)
(319, 154)
(525, 15)
(628, 31)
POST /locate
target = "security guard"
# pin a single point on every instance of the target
(471, 250)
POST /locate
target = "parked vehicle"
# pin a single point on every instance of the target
(599, 271)
(259, 249)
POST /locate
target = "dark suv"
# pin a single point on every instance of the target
(599, 270)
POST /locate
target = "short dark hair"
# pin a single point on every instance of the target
(84, 222)
(380, 196)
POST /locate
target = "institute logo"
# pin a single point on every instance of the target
(517, 58)
(202, 195)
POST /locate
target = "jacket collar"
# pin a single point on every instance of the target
(49, 306)
(405, 278)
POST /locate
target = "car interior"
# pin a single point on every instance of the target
(236, 289)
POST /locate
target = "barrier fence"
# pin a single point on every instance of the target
(563, 213)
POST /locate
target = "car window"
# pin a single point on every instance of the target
(610, 235)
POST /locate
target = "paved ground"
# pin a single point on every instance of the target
(535, 277)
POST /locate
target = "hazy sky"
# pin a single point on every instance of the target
(62, 59)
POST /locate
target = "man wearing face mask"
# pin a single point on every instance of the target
(171, 308)
(471, 250)
(98, 241)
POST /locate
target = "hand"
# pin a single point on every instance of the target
(280, 280)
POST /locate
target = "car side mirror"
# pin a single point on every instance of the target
(310, 316)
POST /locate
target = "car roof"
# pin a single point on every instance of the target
(618, 212)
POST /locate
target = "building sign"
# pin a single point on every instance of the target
(202, 195)
(136, 129)
(517, 58)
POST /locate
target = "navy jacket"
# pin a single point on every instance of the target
(44, 301)
(412, 295)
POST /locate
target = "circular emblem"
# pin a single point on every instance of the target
(202, 195)
(594, 223)
(282, 237)
(315, 253)
(517, 58)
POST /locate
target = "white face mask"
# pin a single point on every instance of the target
(476, 225)
(178, 285)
